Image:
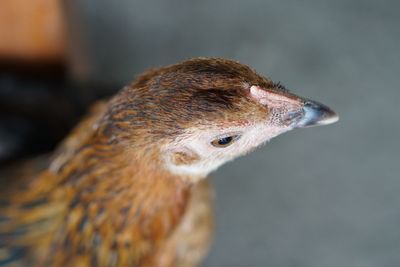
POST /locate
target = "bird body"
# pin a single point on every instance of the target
(127, 187)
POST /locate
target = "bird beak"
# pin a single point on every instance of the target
(315, 114)
(295, 111)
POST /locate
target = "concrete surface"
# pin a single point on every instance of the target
(321, 197)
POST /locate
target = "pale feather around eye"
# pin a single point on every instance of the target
(210, 157)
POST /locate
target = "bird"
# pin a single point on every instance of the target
(128, 187)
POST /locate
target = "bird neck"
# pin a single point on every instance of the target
(100, 168)
(126, 185)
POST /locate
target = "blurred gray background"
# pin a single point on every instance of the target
(321, 197)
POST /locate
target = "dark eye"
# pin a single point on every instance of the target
(225, 141)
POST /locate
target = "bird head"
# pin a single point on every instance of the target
(201, 113)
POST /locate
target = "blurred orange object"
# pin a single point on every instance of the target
(31, 30)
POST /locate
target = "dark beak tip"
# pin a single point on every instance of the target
(316, 114)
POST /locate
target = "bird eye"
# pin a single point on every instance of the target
(225, 141)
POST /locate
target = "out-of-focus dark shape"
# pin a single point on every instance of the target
(34, 114)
